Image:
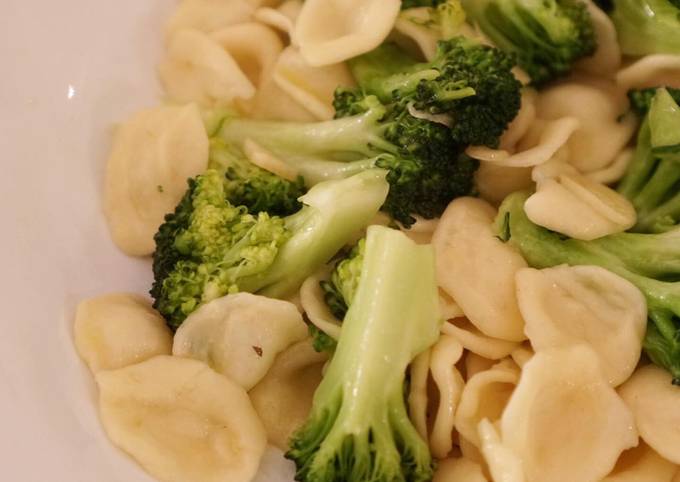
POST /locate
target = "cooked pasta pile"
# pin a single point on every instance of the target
(350, 212)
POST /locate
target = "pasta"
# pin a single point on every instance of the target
(208, 15)
(564, 420)
(181, 421)
(651, 71)
(331, 31)
(281, 18)
(504, 465)
(565, 305)
(477, 270)
(313, 304)
(475, 364)
(607, 58)
(240, 335)
(119, 329)
(653, 399)
(153, 154)
(641, 464)
(417, 399)
(413, 30)
(458, 469)
(477, 342)
(283, 397)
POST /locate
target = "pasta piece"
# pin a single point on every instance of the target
(651, 71)
(265, 159)
(580, 208)
(197, 69)
(419, 371)
(475, 364)
(153, 155)
(208, 15)
(448, 308)
(471, 452)
(311, 87)
(477, 269)
(331, 31)
(641, 464)
(615, 171)
(477, 342)
(120, 329)
(314, 305)
(283, 398)
(522, 122)
(564, 420)
(484, 397)
(654, 401)
(461, 469)
(504, 464)
(566, 305)
(603, 133)
(444, 356)
(281, 18)
(240, 335)
(271, 103)
(181, 421)
(607, 58)
(522, 354)
(421, 231)
(495, 182)
(414, 32)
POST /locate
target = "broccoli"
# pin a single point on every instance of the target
(358, 429)
(426, 168)
(442, 18)
(210, 247)
(652, 181)
(405, 4)
(647, 26)
(641, 100)
(547, 36)
(472, 84)
(605, 5)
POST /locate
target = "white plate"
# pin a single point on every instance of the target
(70, 69)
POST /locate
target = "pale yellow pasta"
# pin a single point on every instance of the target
(522, 122)
(208, 15)
(522, 354)
(504, 464)
(476, 363)
(449, 382)
(313, 304)
(484, 397)
(181, 420)
(153, 155)
(264, 158)
(576, 206)
(281, 18)
(271, 103)
(651, 71)
(240, 335)
(413, 31)
(197, 69)
(471, 452)
(477, 270)
(458, 469)
(642, 464)
(283, 398)
(566, 305)
(603, 132)
(495, 182)
(564, 420)
(421, 230)
(419, 371)
(615, 171)
(119, 329)
(476, 341)
(448, 308)
(607, 58)
(331, 31)
(312, 87)
(654, 401)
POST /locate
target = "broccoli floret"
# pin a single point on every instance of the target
(442, 18)
(358, 429)
(641, 100)
(647, 26)
(472, 84)
(547, 36)
(426, 168)
(209, 247)
(420, 3)
(652, 181)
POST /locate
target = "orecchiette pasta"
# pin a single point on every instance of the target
(477, 269)
(413, 31)
(522, 354)
(417, 398)
(283, 397)
(208, 15)
(641, 464)
(475, 364)
(564, 420)
(504, 464)
(651, 71)
(271, 103)
(240, 335)
(615, 170)
(117, 330)
(522, 122)
(477, 342)
(281, 18)
(461, 469)
(153, 154)
(181, 420)
(654, 401)
(331, 31)
(607, 57)
(448, 308)
(495, 182)
(197, 69)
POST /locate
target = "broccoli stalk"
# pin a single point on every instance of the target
(649, 261)
(647, 26)
(641, 99)
(652, 180)
(210, 247)
(547, 36)
(471, 84)
(358, 429)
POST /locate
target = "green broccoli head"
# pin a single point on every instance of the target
(209, 247)
(647, 26)
(471, 84)
(547, 36)
(652, 181)
(641, 99)
(344, 280)
(356, 432)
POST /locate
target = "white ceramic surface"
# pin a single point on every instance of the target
(70, 68)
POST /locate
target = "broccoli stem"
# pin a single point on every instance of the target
(358, 429)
